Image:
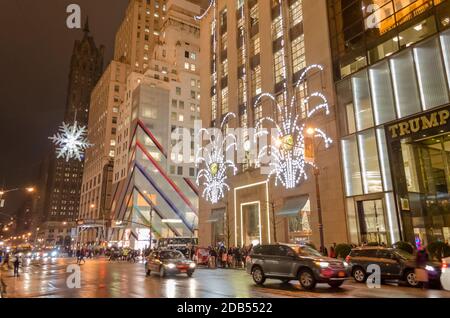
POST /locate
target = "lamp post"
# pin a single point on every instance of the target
(311, 131)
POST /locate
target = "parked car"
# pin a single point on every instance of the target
(169, 262)
(395, 264)
(445, 276)
(289, 262)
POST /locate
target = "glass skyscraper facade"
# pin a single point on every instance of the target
(392, 73)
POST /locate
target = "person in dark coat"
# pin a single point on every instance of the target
(16, 266)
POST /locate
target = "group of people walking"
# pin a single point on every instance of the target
(6, 261)
(232, 257)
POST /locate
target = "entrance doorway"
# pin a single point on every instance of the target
(427, 172)
(251, 223)
(372, 224)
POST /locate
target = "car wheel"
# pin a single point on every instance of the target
(410, 278)
(306, 279)
(336, 284)
(162, 272)
(190, 274)
(359, 275)
(149, 272)
(258, 276)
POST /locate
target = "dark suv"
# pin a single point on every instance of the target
(395, 264)
(288, 262)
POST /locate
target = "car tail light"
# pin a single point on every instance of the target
(444, 265)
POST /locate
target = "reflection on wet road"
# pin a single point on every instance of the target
(103, 279)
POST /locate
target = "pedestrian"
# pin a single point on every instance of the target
(230, 257)
(420, 271)
(332, 252)
(212, 257)
(81, 257)
(6, 261)
(237, 256)
(16, 266)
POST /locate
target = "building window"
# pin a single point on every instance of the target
(214, 107)
(298, 54)
(277, 28)
(254, 15)
(296, 12)
(255, 48)
(278, 65)
(242, 93)
(258, 112)
(224, 101)
(361, 98)
(256, 81)
(224, 42)
(225, 68)
(352, 170)
(370, 168)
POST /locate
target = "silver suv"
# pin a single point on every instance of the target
(289, 262)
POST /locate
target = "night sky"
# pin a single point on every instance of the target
(35, 53)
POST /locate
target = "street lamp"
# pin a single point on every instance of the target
(311, 132)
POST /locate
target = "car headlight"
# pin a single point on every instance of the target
(45, 255)
(192, 265)
(170, 266)
(54, 254)
(429, 268)
(345, 264)
(29, 254)
(322, 264)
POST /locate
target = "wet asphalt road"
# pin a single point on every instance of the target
(103, 279)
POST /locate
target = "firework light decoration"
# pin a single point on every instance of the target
(286, 154)
(213, 157)
(71, 141)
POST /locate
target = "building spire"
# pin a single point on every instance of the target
(86, 26)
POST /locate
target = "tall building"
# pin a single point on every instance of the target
(257, 47)
(391, 68)
(96, 189)
(62, 199)
(155, 193)
(138, 33)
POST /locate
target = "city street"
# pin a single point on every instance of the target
(103, 279)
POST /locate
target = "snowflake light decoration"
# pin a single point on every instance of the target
(287, 151)
(214, 175)
(71, 141)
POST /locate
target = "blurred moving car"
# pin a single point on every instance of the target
(395, 264)
(169, 262)
(288, 262)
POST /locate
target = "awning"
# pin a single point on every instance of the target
(293, 206)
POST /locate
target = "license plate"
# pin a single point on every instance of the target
(183, 271)
(341, 274)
